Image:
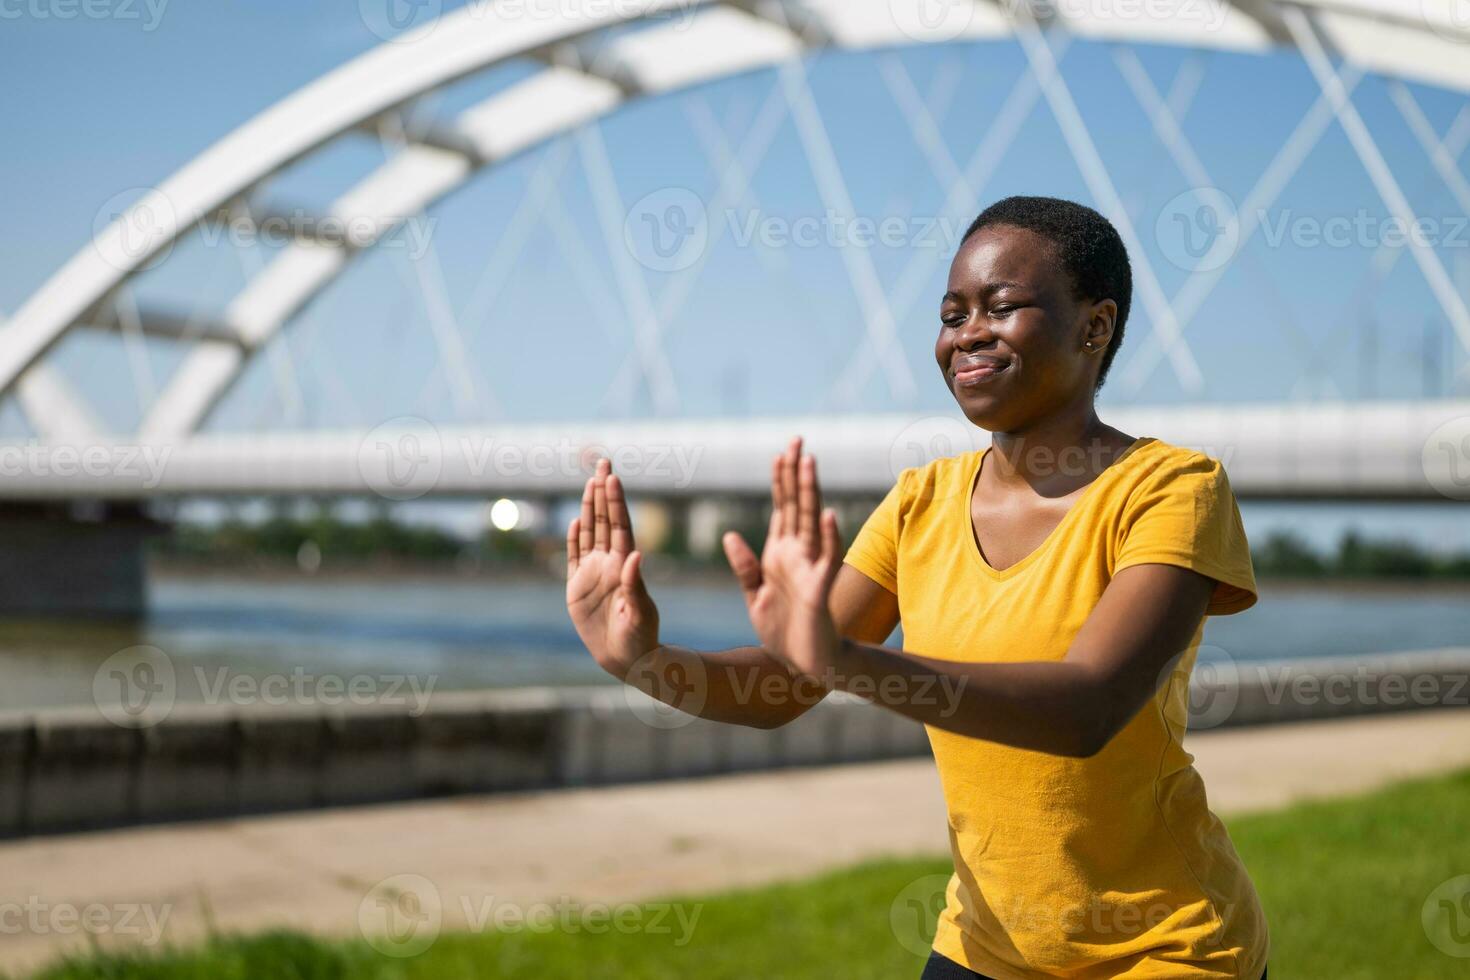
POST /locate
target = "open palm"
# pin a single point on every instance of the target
(606, 598)
(787, 590)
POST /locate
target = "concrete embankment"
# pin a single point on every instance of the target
(71, 769)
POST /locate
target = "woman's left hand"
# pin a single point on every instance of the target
(787, 592)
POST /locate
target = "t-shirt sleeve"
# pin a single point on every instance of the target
(874, 551)
(1185, 514)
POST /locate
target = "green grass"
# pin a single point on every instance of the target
(1343, 883)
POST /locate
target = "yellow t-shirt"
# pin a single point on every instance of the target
(1110, 866)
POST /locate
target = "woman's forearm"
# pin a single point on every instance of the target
(1060, 707)
(739, 686)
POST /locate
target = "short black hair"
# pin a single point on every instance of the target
(1088, 245)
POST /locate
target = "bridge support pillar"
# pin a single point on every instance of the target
(71, 559)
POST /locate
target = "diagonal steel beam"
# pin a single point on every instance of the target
(961, 201)
(1304, 30)
(1100, 185)
(822, 159)
(1245, 222)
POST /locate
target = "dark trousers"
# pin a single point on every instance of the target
(943, 968)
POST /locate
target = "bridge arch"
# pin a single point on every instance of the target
(597, 55)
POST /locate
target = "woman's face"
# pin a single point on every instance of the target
(1012, 334)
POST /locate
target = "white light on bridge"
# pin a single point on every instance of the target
(505, 514)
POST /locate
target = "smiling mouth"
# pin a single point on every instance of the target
(979, 372)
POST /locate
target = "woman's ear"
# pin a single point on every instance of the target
(1099, 330)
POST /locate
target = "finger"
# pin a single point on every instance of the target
(774, 531)
(619, 523)
(743, 562)
(584, 524)
(788, 487)
(574, 549)
(599, 506)
(809, 506)
(831, 546)
(629, 578)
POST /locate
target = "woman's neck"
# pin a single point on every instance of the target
(1056, 455)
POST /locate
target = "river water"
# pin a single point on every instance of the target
(455, 633)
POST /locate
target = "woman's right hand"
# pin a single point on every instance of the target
(606, 597)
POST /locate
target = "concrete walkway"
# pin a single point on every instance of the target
(316, 870)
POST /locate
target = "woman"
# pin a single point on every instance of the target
(1058, 580)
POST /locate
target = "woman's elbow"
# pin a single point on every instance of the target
(1090, 734)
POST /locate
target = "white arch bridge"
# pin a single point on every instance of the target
(593, 56)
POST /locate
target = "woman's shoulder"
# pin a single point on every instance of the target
(1158, 464)
(939, 478)
(1155, 453)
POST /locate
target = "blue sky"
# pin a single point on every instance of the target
(98, 107)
